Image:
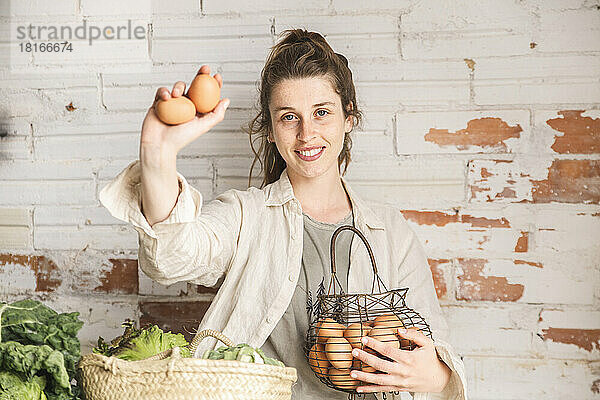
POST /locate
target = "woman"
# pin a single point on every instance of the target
(271, 244)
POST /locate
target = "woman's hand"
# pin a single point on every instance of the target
(418, 370)
(167, 139)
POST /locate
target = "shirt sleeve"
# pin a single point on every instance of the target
(421, 296)
(196, 242)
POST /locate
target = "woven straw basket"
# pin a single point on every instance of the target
(177, 378)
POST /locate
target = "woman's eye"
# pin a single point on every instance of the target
(325, 112)
(285, 117)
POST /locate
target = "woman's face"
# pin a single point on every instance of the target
(307, 113)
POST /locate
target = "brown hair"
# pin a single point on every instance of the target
(299, 54)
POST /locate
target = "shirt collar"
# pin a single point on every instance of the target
(281, 191)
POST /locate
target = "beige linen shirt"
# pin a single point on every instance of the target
(255, 238)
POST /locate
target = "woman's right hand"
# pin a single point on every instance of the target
(160, 139)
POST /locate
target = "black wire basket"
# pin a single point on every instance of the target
(338, 321)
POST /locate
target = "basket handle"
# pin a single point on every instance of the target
(334, 280)
(360, 235)
(205, 333)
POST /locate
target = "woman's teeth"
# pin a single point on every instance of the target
(311, 152)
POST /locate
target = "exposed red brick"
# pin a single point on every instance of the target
(581, 134)
(439, 218)
(569, 181)
(484, 132)
(45, 269)
(473, 286)
(177, 317)
(121, 278)
(438, 276)
(522, 243)
(506, 193)
(481, 222)
(596, 214)
(485, 173)
(533, 264)
(436, 218)
(587, 339)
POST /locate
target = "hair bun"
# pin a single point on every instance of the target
(343, 58)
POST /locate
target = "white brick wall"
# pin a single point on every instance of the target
(511, 233)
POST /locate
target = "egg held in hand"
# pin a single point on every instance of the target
(204, 93)
(175, 110)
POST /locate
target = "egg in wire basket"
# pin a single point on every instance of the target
(338, 321)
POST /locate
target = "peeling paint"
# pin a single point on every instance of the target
(122, 277)
(595, 386)
(587, 339)
(438, 276)
(45, 270)
(439, 218)
(562, 181)
(484, 132)
(474, 286)
(569, 181)
(522, 243)
(470, 64)
(533, 264)
(581, 135)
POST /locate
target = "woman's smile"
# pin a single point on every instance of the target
(310, 155)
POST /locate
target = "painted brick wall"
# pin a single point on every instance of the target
(482, 124)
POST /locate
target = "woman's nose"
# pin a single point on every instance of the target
(306, 131)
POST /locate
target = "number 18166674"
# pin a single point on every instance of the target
(46, 47)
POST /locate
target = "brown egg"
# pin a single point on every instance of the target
(175, 110)
(388, 321)
(339, 352)
(354, 333)
(318, 360)
(342, 379)
(204, 93)
(328, 328)
(385, 335)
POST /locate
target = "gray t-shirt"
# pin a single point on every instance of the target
(288, 338)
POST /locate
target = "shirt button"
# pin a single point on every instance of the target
(269, 320)
(291, 277)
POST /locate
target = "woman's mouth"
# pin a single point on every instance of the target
(310, 155)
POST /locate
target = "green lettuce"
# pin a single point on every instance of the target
(139, 344)
(14, 387)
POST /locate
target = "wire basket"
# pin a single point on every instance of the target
(338, 321)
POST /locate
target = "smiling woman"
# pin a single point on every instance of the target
(271, 244)
(301, 59)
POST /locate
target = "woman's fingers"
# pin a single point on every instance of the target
(205, 69)
(219, 79)
(374, 361)
(416, 336)
(178, 89)
(162, 94)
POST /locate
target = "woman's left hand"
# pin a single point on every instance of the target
(418, 370)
